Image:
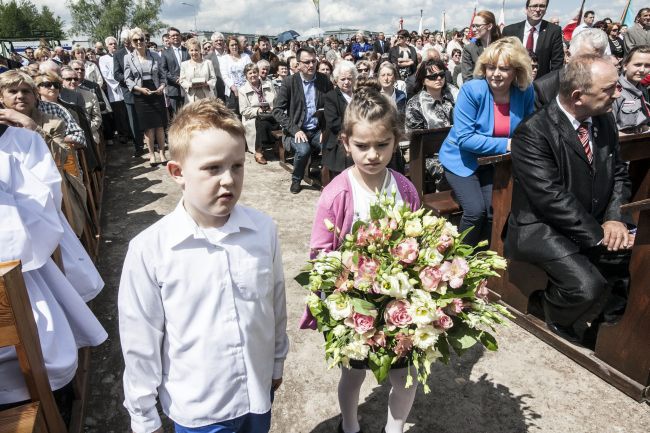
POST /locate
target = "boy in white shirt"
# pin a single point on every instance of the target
(202, 302)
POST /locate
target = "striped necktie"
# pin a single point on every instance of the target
(583, 136)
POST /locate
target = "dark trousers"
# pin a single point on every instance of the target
(136, 133)
(176, 103)
(302, 152)
(474, 194)
(120, 118)
(263, 129)
(585, 285)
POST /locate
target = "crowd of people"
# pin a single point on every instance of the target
(557, 105)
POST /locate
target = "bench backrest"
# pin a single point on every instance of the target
(423, 144)
(18, 329)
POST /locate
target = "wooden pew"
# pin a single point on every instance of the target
(623, 367)
(425, 144)
(18, 329)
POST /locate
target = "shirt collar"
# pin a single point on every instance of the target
(185, 227)
(307, 81)
(574, 122)
(527, 27)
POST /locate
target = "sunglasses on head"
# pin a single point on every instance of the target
(435, 76)
(49, 85)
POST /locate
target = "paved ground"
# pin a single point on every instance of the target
(525, 387)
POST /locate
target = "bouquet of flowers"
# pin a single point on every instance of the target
(402, 288)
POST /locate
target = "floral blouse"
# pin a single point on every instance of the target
(424, 112)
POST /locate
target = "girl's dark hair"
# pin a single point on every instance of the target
(423, 71)
(370, 105)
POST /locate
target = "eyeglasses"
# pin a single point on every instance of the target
(615, 29)
(308, 62)
(435, 76)
(71, 79)
(137, 39)
(538, 6)
(49, 85)
(362, 70)
(78, 69)
(478, 26)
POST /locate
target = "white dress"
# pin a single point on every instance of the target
(31, 230)
(30, 149)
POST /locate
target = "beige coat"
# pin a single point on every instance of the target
(249, 106)
(203, 71)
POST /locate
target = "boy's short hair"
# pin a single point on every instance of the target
(200, 116)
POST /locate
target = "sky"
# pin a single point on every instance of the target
(274, 16)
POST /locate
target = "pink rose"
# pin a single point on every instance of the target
(454, 272)
(456, 307)
(361, 323)
(379, 339)
(430, 277)
(366, 271)
(444, 242)
(407, 251)
(397, 314)
(403, 345)
(482, 290)
(444, 321)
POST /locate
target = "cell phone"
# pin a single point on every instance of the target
(264, 105)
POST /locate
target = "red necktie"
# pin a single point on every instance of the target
(530, 43)
(583, 136)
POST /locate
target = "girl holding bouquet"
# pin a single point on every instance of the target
(370, 132)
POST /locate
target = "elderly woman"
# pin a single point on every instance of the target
(360, 46)
(387, 77)
(42, 54)
(197, 77)
(615, 43)
(364, 68)
(632, 109)
(256, 99)
(92, 71)
(403, 56)
(486, 31)
(487, 111)
(145, 79)
(232, 70)
(336, 100)
(264, 66)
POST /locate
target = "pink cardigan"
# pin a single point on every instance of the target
(335, 204)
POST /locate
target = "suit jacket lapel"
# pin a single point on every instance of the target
(565, 128)
(541, 38)
(600, 141)
(520, 32)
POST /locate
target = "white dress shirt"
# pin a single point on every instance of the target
(576, 123)
(202, 319)
(527, 28)
(113, 86)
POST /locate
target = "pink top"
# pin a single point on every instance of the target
(501, 120)
(335, 204)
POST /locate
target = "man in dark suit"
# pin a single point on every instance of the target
(381, 45)
(171, 60)
(540, 37)
(299, 100)
(569, 184)
(118, 74)
(590, 41)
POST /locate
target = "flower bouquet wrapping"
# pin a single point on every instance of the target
(402, 289)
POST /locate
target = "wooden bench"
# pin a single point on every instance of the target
(286, 161)
(425, 144)
(18, 329)
(625, 366)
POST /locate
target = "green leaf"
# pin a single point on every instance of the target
(376, 212)
(488, 341)
(380, 365)
(303, 278)
(362, 306)
(356, 226)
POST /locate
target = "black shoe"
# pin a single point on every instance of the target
(295, 187)
(565, 332)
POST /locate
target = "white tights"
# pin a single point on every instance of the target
(400, 399)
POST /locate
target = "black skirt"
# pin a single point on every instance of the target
(150, 109)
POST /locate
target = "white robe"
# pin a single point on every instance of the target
(30, 231)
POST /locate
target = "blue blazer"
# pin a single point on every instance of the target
(471, 135)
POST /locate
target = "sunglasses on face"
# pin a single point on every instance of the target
(78, 69)
(435, 76)
(137, 39)
(362, 69)
(70, 79)
(49, 85)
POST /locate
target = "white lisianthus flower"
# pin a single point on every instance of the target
(425, 337)
(413, 228)
(357, 349)
(450, 230)
(431, 355)
(421, 313)
(400, 285)
(312, 300)
(429, 221)
(339, 306)
(432, 256)
(339, 331)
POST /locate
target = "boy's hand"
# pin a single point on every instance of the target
(275, 384)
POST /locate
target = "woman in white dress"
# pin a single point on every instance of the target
(197, 77)
(232, 70)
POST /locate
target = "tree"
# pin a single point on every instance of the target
(23, 20)
(103, 18)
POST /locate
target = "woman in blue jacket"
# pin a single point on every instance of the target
(487, 112)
